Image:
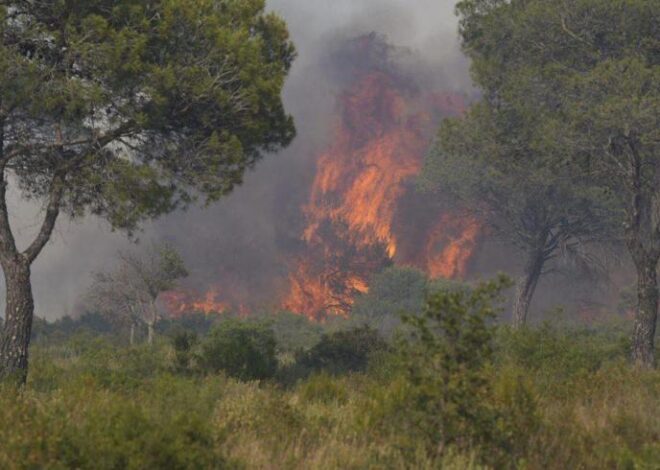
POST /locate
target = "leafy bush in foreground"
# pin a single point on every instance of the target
(555, 398)
(184, 342)
(343, 351)
(241, 349)
(449, 392)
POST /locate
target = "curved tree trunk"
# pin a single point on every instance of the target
(19, 312)
(526, 286)
(19, 309)
(646, 315)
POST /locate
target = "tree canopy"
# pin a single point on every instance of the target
(497, 163)
(128, 109)
(589, 73)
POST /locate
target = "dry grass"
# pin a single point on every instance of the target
(107, 408)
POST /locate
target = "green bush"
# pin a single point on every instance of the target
(392, 292)
(555, 354)
(184, 343)
(241, 349)
(447, 362)
(87, 427)
(323, 388)
(91, 404)
(196, 322)
(294, 332)
(343, 351)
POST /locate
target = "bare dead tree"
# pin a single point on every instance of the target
(129, 294)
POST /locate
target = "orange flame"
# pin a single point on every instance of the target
(182, 302)
(452, 260)
(357, 220)
(380, 142)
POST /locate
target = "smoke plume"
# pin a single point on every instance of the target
(245, 240)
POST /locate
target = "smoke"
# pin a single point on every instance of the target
(246, 238)
(244, 245)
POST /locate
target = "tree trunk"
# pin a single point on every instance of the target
(132, 335)
(19, 312)
(526, 286)
(153, 317)
(646, 316)
(150, 332)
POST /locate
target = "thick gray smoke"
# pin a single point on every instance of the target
(244, 237)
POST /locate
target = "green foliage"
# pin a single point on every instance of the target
(560, 353)
(155, 102)
(392, 292)
(195, 322)
(184, 343)
(561, 397)
(294, 332)
(324, 388)
(168, 267)
(343, 351)
(447, 362)
(515, 159)
(241, 349)
(581, 81)
(81, 425)
(491, 162)
(600, 80)
(66, 327)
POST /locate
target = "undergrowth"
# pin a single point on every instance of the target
(543, 398)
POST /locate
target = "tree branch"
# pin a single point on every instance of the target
(95, 141)
(575, 36)
(52, 211)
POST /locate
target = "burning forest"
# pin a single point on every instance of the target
(362, 211)
(436, 245)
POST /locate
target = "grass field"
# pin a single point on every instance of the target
(565, 398)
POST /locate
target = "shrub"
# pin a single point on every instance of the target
(65, 328)
(183, 342)
(91, 404)
(556, 354)
(241, 349)
(196, 322)
(447, 362)
(294, 332)
(343, 351)
(163, 424)
(392, 292)
(323, 388)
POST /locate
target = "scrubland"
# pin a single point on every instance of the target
(337, 396)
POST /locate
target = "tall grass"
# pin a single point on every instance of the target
(572, 399)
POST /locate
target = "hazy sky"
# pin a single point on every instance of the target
(428, 27)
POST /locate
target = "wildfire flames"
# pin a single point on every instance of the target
(225, 297)
(182, 302)
(357, 220)
(381, 137)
